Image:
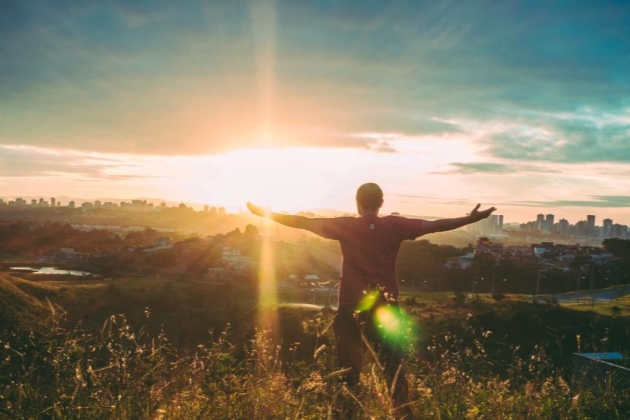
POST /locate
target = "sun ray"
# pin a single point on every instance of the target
(267, 298)
(263, 14)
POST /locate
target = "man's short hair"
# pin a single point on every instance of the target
(370, 196)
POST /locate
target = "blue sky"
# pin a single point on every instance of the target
(521, 105)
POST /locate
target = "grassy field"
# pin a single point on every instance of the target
(172, 348)
(603, 307)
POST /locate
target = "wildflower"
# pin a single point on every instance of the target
(159, 414)
(425, 391)
(563, 386)
(472, 412)
(575, 401)
(314, 382)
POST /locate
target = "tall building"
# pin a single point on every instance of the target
(563, 226)
(619, 231)
(590, 224)
(548, 227)
(540, 221)
(607, 228)
(53, 202)
(493, 224)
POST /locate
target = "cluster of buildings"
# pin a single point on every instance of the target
(545, 254)
(583, 228)
(546, 224)
(133, 205)
(138, 205)
(490, 226)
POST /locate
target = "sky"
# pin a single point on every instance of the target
(521, 105)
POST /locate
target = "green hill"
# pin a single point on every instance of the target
(186, 309)
(22, 303)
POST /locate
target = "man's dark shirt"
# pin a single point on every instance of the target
(370, 247)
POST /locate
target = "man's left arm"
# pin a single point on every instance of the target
(443, 225)
(314, 225)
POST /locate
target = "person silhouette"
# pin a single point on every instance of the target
(369, 246)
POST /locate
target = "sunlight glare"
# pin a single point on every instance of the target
(284, 180)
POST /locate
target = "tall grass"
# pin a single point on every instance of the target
(124, 373)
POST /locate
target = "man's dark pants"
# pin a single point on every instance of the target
(350, 325)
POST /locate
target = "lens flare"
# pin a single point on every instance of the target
(368, 300)
(396, 326)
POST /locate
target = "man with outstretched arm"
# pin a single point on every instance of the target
(369, 245)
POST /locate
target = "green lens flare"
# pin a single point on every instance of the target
(396, 327)
(368, 301)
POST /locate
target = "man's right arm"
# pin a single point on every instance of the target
(443, 225)
(290, 220)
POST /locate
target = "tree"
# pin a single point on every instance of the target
(618, 247)
(422, 258)
(483, 241)
(251, 232)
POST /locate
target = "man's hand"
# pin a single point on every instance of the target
(258, 210)
(290, 220)
(478, 215)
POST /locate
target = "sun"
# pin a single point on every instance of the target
(282, 179)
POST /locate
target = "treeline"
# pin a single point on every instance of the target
(23, 238)
(420, 266)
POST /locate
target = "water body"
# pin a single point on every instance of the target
(52, 270)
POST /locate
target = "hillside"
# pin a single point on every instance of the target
(186, 309)
(23, 303)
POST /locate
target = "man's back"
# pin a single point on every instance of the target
(369, 245)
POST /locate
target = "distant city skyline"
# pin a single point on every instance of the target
(498, 219)
(521, 105)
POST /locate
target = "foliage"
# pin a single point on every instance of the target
(618, 247)
(422, 260)
(122, 373)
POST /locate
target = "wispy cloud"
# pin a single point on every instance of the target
(28, 162)
(512, 167)
(597, 201)
(572, 139)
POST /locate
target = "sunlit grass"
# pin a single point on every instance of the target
(602, 307)
(125, 373)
